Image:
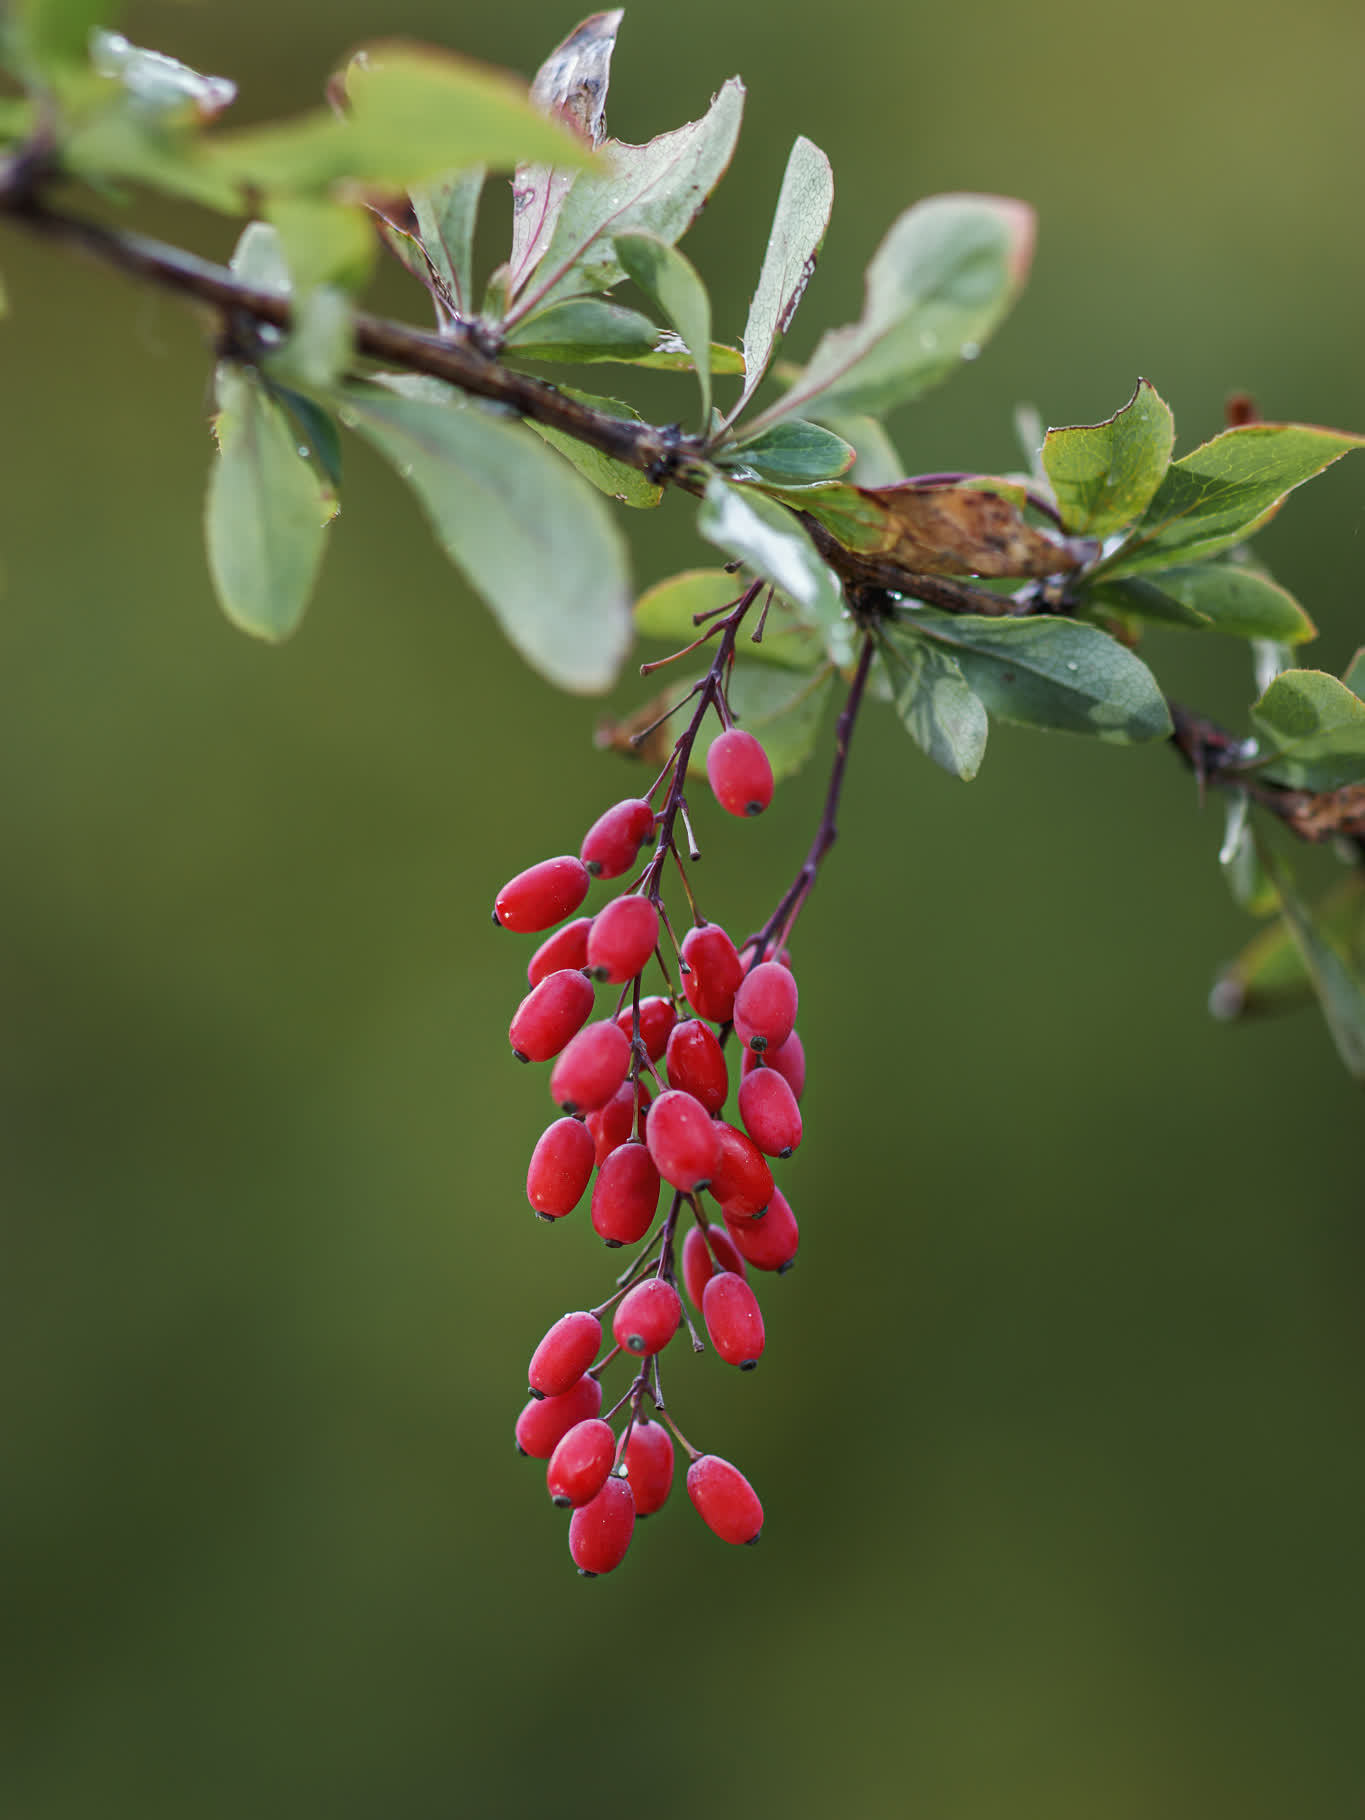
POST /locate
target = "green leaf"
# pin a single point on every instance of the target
(1241, 863)
(768, 540)
(258, 258)
(937, 286)
(1315, 727)
(1236, 601)
(447, 212)
(619, 481)
(1354, 677)
(123, 143)
(415, 115)
(666, 612)
(321, 438)
(669, 355)
(876, 462)
(323, 242)
(846, 512)
(266, 512)
(1142, 599)
(792, 454)
(583, 329)
(1337, 974)
(671, 282)
(537, 543)
(780, 707)
(1223, 491)
(53, 34)
(1271, 975)
(798, 232)
(937, 709)
(1104, 474)
(1052, 673)
(657, 188)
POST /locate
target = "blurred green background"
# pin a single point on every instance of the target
(1059, 1427)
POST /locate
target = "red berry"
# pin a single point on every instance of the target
(740, 773)
(622, 938)
(724, 1499)
(600, 1532)
(567, 947)
(742, 1182)
(789, 1060)
(682, 1140)
(560, 1166)
(545, 1421)
(547, 1017)
(647, 1317)
(612, 844)
(625, 1196)
(579, 1465)
(591, 1069)
(713, 972)
(769, 1110)
(612, 1124)
(748, 956)
(765, 1006)
(649, 1466)
(696, 1064)
(769, 1243)
(565, 1353)
(733, 1319)
(697, 1267)
(657, 1018)
(542, 896)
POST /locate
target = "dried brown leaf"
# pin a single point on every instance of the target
(956, 530)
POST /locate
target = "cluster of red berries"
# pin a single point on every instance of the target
(641, 1092)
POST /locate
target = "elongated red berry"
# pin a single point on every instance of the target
(600, 1532)
(657, 1018)
(733, 1319)
(613, 1124)
(625, 1196)
(697, 1254)
(769, 1243)
(713, 972)
(560, 1166)
(649, 1466)
(765, 1006)
(770, 1114)
(542, 896)
(580, 1463)
(740, 774)
(742, 1181)
(546, 1018)
(724, 1499)
(545, 1421)
(748, 956)
(612, 844)
(622, 938)
(696, 1064)
(566, 948)
(565, 1353)
(682, 1141)
(647, 1317)
(789, 1060)
(591, 1069)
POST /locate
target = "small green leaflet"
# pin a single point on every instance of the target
(1241, 863)
(447, 213)
(1315, 728)
(1223, 491)
(265, 513)
(782, 708)
(53, 33)
(1214, 596)
(941, 714)
(1270, 974)
(657, 188)
(672, 284)
(769, 541)
(791, 454)
(625, 484)
(1056, 674)
(323, 242)
(666, 611)
(1354, 677)
(1104, 474)
(937, 286)
(670, 356)
(876, 462)
(581, 330)
(535, 541)
(1335, 972)
(798, 232)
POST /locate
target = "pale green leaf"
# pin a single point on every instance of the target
(940, 712)
(798, 232)
(769, 541)
(537, 543)
(1223, 491)
(1354, 676)
(1140, 596)
(1241, 862)
(323, 242)
(1103, 475)
(876, 462)
(791, 454)
(937, 286)
(265, 514)
(1056, 674)
(666, 611)
(1237, 601)
(1271, 975)
(258, 258)
(581, 330)
(669, 355)
(1315, 727)
(1338, 974)
(627, 485)
(672, 284)
(55, 34)
(781, 708)
(447, 213)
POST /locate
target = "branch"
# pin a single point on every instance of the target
(1215, 756)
